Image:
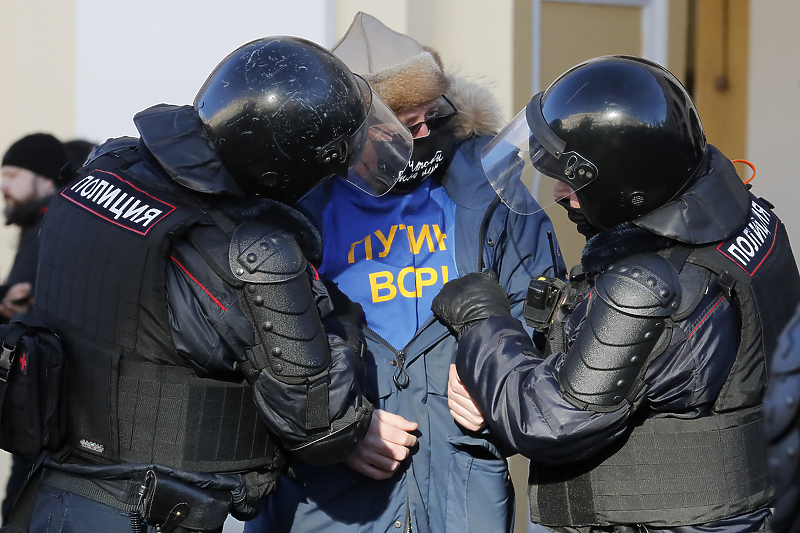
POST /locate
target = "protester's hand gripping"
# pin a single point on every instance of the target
(387, 444)
(462, 408)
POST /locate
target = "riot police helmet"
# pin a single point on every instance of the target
(620, 132)
(284, 113)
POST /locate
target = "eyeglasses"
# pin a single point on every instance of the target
(442, 115)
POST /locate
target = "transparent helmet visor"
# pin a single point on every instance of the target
(387, 146)
(523, 172)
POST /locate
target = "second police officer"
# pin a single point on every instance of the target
(645, 409)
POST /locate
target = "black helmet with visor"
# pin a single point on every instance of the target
(285, 113)
(620, 132)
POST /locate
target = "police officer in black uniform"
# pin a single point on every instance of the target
(644, 409)
(181, 285)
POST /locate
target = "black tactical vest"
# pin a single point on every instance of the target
(102, 289)
(670, 471)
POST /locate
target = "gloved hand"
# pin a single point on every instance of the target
(465, 301)
(249, 496)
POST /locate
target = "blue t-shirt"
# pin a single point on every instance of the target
(391, 254)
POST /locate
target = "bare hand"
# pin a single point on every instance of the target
(18, 300)
(462, 408)
(387, 444)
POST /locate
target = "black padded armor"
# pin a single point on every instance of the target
(131, 397)
(626, 326)
(757, 272)
(292, 344)
(763, 282)
(279, 302)
(325, 446)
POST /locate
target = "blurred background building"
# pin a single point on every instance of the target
(83, 68)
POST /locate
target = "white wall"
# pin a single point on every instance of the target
(773, 117)
(126, 56)
(131, 55)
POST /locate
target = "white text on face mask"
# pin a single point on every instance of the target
(422, 169)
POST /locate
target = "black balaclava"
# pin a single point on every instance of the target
(585, 227)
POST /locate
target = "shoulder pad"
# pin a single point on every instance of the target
(113, 145)
(118, 149)
(262, 253)
(643, 284)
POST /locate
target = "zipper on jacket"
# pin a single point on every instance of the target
(484, 230)
(407, 529)
(400, 377)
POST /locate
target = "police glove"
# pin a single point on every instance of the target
(466, 301)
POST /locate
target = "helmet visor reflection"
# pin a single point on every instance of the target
(387, 146)
(524, 174)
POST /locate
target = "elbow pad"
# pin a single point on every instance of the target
(277, 299)
(335, 444)
(627, 325)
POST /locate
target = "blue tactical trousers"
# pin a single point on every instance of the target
(59, 511)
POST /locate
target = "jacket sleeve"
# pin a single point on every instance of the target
(520, 396)
(207, 326)
(210, 330)
(349, 413)
(782, 427)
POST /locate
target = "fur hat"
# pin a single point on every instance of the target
(41, 153)
(404, 73)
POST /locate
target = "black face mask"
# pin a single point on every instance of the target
(431, 157)
(577, 217)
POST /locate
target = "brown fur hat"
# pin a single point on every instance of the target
(404, 73)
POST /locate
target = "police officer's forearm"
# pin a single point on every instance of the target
(293, 413)
(520, 397)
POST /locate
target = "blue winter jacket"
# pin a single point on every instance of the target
(454, 480)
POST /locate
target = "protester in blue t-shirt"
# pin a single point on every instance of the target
(427, 464)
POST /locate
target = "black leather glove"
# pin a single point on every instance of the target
(465, 301)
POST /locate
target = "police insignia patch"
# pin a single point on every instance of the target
(752, 244)
(118, 201)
